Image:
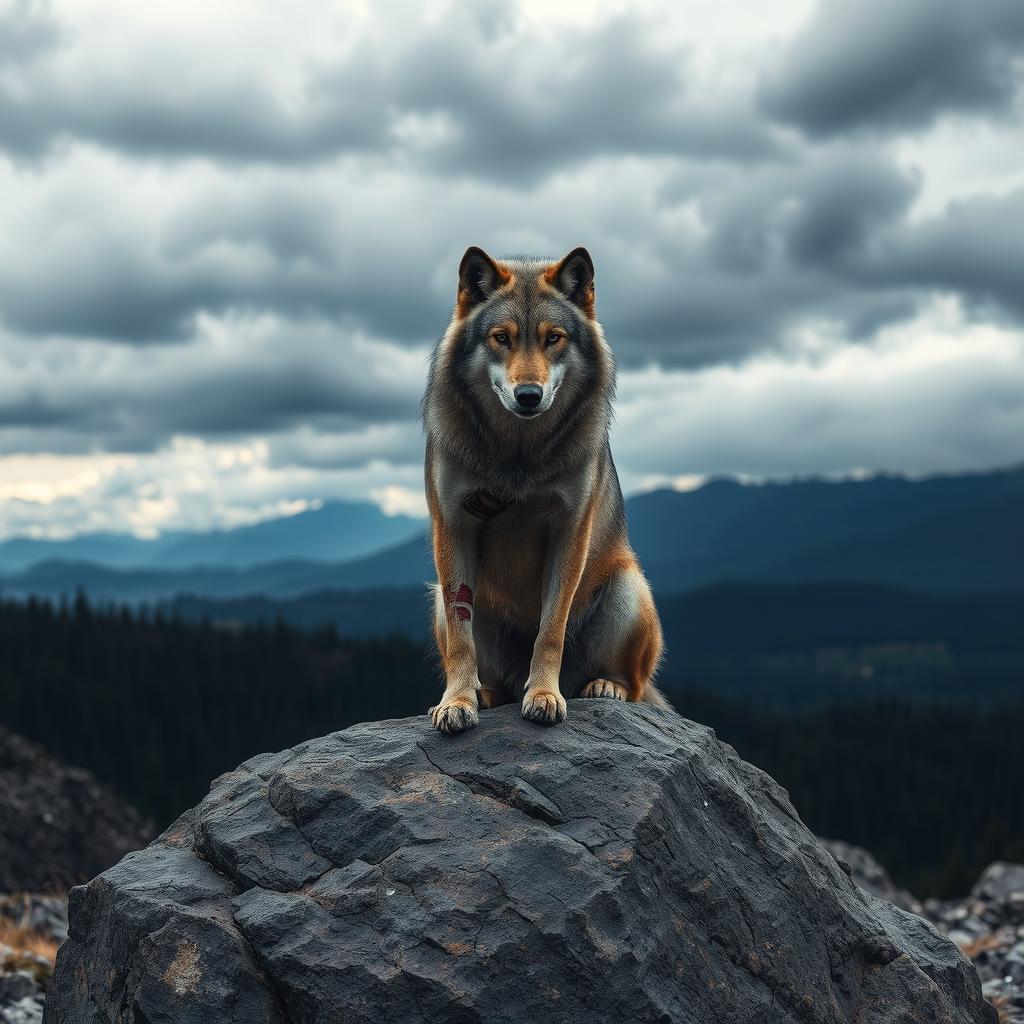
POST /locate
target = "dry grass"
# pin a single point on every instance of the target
(974, 949)
(24, 940)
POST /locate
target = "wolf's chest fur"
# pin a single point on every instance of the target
(512, 554)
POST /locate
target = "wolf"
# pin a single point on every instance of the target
(539, 596)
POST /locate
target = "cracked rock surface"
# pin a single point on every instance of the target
(624, 866)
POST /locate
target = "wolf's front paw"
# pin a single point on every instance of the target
(544, 706)
(604, 688)
(454, 715)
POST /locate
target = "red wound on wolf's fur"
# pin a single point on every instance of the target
(460, 601)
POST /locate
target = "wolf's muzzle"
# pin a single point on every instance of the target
(528, 397)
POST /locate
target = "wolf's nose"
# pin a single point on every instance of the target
(529, 395)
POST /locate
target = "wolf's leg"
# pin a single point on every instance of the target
(567, 557)
(617, 646)
(455, 542)
(457, 709)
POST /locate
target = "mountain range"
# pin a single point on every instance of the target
(944, 534)
(332, 532)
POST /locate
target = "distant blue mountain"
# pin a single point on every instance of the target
(952, 534)
(119, 551)
(336, 532)
(395, 567)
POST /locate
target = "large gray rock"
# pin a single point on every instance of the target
(625, 866)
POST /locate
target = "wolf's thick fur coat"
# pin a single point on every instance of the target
(539, 596)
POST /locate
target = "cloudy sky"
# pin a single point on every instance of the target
(230, 234)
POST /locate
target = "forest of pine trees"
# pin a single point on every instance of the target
(157, 707)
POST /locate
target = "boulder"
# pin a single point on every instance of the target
(624, 866)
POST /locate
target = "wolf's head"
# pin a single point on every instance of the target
(527, 329)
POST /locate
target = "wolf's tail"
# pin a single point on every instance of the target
(652, 695)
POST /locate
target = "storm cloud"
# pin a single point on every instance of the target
(237, 231)
(484, 95)
(881, 65)
(236, 380)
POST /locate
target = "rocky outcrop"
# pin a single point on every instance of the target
(31, 928)
(58, 825)
(862, 867)
(625, 866)
(989, 927)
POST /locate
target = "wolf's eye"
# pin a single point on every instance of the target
(553, 339)
(501, 337)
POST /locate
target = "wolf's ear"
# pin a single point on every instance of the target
(574, 278)
(479, 277)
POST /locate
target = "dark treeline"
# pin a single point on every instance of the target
(158, 707)
(789, 646)
(934, 792)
